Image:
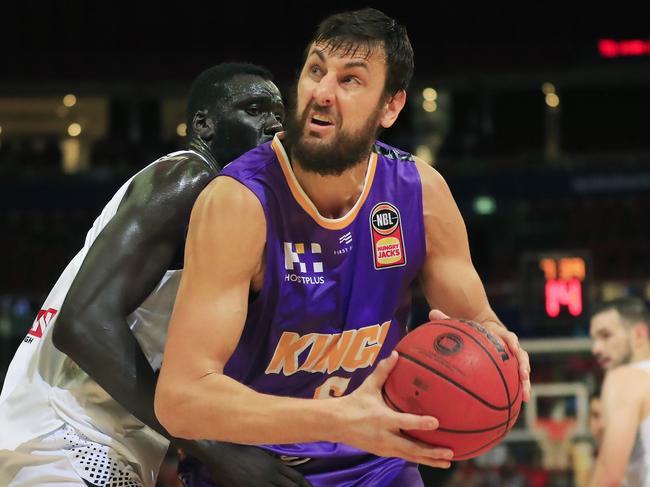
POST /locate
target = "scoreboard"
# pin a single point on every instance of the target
(555, 289)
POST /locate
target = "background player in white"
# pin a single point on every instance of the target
(620, 331)
(58, 425)
(340, 96)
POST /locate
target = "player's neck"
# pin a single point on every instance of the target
(333, 196)
(199, 145)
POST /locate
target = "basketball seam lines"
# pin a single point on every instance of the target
(503, 381)
(460, 386)
(484, 430)
(445, 430)
(508, 407)
(505, 384)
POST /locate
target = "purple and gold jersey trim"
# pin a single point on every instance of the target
(335, 299)
(303, 200)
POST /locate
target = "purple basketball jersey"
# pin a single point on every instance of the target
(335, 298)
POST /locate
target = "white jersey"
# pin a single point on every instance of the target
(47, 399)
(638, 468)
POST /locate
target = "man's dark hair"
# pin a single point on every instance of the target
(366, 30)
(632, 310)
(208, 87)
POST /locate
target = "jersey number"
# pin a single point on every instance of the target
(332, 387)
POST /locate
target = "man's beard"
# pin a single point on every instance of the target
(625, 358)
(344, 151)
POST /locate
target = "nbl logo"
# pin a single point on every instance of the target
(303, 263)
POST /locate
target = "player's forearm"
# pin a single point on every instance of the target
(116, 362)
(217, 407)
(461, 294)
(488, 317)
(106, 349)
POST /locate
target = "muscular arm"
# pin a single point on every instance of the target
(449, 280)
(622, 397)
(122, 268)
(124, 264)
(194, 398)
(448, 277)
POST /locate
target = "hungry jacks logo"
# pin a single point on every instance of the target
(387, 238)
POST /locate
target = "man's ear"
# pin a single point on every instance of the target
(203, 125)
(641, 332)
(392, 108)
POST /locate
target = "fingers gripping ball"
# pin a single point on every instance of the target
(459, 373)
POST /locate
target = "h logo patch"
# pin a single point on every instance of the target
(294, 255)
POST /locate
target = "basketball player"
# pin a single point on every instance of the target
(621, 343)
(596, 428)
(596, 420)
(320, 235)
(68, 414)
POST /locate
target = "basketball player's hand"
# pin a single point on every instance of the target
(513, 344)
(370, 425)
(233, 465)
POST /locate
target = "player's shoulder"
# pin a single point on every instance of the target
(183, 170)
(433, 183)
(172, 182)
(233, 205)
(430, 178)
(626, 379)
(182, 166)
(231, 190)
(228, 194)
(623, 371)
(392, 153)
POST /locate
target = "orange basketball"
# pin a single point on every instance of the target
(459, 373)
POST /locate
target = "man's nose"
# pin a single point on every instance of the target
(324, 90)
(595, 348)
(272, 126)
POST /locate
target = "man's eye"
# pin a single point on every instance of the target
(351, 80)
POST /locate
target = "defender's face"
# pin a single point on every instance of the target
(611, 340)
(250, 113)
